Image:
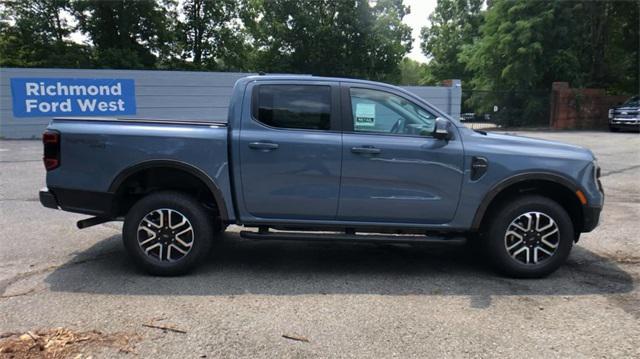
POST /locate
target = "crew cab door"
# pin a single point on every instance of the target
(290, 150)
(394, 170)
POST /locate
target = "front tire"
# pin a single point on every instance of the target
(167, 233)
(529, 237)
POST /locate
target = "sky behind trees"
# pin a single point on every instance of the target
(417, 19)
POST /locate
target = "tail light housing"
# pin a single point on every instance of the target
(51, 142)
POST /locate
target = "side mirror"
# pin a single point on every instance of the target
(441, 130)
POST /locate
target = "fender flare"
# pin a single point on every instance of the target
(518, 178)
(173, 164)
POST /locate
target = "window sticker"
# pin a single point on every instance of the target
(365, 115)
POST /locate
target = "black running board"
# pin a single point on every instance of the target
(354, 238)
(92, 221)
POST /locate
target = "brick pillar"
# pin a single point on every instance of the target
(558, 118)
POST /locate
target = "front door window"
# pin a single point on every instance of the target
(385, 113)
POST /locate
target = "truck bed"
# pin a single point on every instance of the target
(97, 152)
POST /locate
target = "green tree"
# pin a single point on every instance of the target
(212, 35)
(412, 72)
(607, 42)
(35, 34)
(453, 25)
(171, 48)
(330, 37)
(526, 45)
(125, 34)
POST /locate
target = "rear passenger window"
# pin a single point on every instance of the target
(294, 106)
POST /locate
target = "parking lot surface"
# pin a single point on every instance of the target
(292, 299)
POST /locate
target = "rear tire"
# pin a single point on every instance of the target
(219, 228)
(529, 236)
(167, 233)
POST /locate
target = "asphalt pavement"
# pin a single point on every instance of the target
(293, 299)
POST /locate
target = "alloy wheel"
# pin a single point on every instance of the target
(165, 235)
(532, 238)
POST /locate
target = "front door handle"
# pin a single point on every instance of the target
(368, 150)
(263, 146)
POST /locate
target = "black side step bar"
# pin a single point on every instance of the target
(369, 238)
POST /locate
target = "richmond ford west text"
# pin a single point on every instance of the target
(72, 96)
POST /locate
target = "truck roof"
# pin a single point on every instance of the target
(297, 77)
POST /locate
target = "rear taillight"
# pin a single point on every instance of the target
(51, 142)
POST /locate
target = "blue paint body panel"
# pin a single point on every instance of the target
(94, 153)
(313, 178)
(413, 179)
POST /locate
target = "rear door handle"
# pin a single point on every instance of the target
(369, 150)
(263, 146)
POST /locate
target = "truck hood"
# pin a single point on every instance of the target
(626, 108)
(537, 148)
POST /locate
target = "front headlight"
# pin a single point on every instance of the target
(610, 113)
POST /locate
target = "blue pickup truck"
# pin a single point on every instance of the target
(313, 158)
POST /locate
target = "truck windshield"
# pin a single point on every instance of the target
(634, 101)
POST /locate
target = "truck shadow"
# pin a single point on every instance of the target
(239, 267)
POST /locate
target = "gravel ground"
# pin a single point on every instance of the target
(338, 300)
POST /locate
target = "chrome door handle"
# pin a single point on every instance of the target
(368, 150)
(263, 146)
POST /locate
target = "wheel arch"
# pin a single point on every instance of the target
(554, 186)
(120, 182)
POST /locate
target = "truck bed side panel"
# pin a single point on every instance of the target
(94, 153)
